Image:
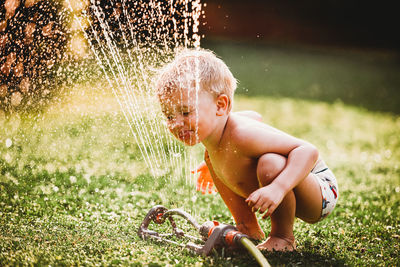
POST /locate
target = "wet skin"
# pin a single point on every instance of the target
(255, 167)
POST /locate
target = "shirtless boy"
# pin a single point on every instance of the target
(255, 167)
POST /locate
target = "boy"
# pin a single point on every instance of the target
(255, 167)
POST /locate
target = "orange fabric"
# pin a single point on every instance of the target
(204, 180)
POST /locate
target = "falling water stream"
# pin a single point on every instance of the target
(129, 70)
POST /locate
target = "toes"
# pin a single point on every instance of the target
(277, 244)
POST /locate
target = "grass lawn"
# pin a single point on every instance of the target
(73, 189)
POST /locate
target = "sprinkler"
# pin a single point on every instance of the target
(214, 235)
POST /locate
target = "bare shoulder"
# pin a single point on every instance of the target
(255, 138)
(250, 114)
(241, 128)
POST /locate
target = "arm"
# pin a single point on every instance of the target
(257, 139)
(300, 162)
(270, 196)
(245, 219)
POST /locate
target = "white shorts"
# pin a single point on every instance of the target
(329, 187)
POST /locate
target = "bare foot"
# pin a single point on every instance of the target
(254, 233)
(274, 243)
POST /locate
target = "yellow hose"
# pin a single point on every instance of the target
(255, 252)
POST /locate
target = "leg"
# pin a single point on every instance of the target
(246, 220)
(305, 201)
(282, 219)
(307, 193)
(309, 199)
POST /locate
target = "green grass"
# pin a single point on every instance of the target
(366, 78)
(73, 188)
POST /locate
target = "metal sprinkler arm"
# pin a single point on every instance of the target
(158, 214)
(213, 232)
(183, 214)
(143, 232)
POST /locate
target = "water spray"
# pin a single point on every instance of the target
(214, 235)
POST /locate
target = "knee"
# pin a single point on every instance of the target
(269, 166)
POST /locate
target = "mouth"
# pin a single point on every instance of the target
(185, 135)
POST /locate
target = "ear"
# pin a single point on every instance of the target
(223, 104)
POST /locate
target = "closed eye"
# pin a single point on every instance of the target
(168, 116)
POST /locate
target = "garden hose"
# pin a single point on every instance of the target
(253, 250)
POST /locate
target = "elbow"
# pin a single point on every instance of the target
(313, 152)
(307, 152)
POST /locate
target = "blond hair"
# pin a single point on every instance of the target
(190, 66)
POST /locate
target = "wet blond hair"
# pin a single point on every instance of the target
(191, 65)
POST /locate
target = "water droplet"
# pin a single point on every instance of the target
(87, 178)
(176, 155)
(8, 158)
(8, 142)
(72, 179)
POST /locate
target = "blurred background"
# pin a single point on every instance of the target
(330, 51)
(339, 50)
(332, 23)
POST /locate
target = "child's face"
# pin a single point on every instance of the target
(189, 118)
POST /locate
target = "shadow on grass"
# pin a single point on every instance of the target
(305, 258)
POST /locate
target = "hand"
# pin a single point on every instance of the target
(265, 199)
(204, 180)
